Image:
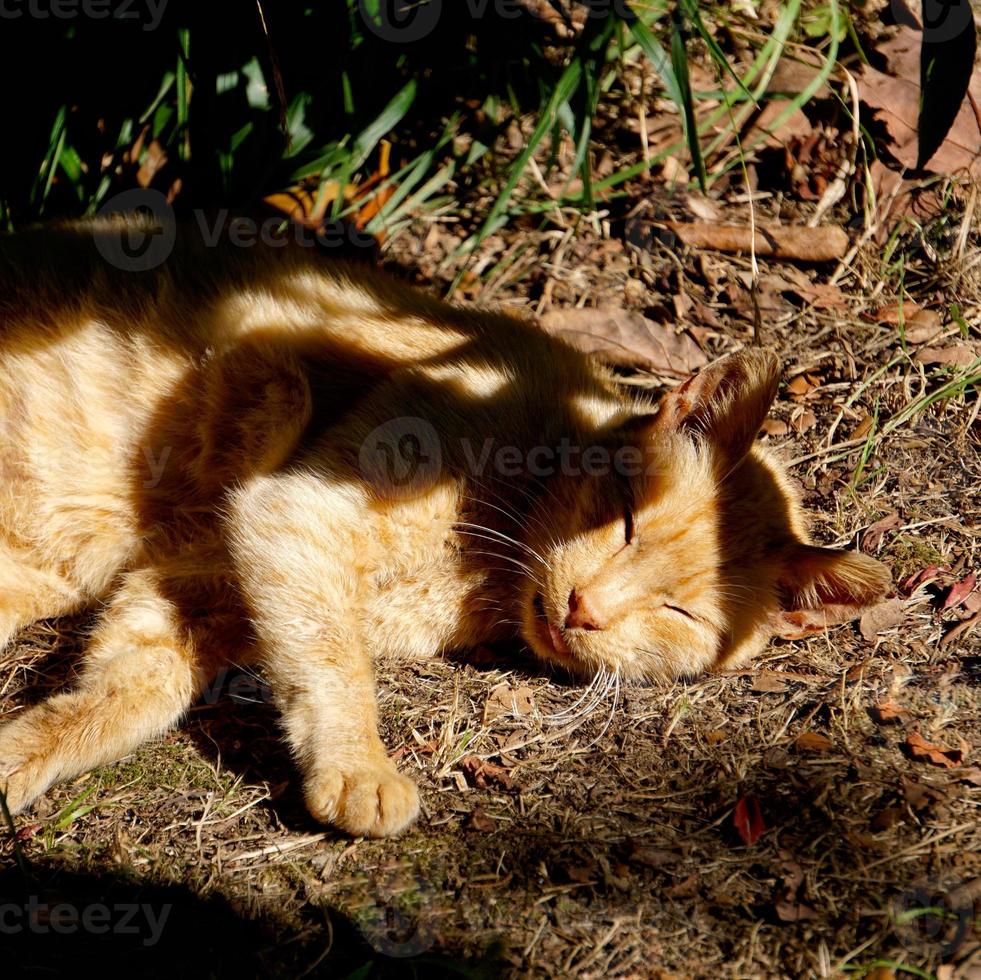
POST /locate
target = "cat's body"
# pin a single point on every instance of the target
(259, 456)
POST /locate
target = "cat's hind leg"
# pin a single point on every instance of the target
(140, 674)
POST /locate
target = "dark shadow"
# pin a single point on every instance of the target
(64, 923)
(345, 65)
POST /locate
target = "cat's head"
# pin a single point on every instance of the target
(693, 557)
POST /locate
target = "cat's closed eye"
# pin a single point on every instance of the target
(683, 612)
(628, 524)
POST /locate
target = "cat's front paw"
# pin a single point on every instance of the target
(373, 801)
(21, 778)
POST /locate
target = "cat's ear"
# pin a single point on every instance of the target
(819, 587)
(726, 402)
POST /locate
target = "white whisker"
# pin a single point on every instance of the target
(613, 709)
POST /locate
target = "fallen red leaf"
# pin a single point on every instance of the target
(29, 831)
(929, 574)
(747, 818)
(959, 591)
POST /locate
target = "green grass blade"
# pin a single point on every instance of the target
(567, 84)
(56, 145)
(692, 13)
(679, 62)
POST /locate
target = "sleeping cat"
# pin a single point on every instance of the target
(256, 456)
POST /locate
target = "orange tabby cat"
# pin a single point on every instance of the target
(257, 456)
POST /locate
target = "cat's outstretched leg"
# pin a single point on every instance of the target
(139, 675)
(296, 558)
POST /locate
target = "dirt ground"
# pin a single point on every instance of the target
(816, 815)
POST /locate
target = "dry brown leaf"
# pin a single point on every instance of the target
(823, 244)
(687, 888)
(803, 422)
(894, 97)
(861, 430)
(921, 796)
(799, 386)
(922, 326)
(958, 354)
(768, 683)
(971, 775)
(508, 701)
(703, 207)
(766, 130)
(788, 904)
(154, 161)
(963, 627)
(924, 577)
(792, 76)
(775, 427)
(481, 773)
(874, 533)
(897, 198)
(881, 617)
(479, 821)
(893, 314)
(653, 857)
(627, 339)
(887, 818)
(889, 712)
(821, 295)
(881, 973)
(793, 910)
(813, 742)
(939, 755)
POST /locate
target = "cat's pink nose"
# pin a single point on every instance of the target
(582, 616)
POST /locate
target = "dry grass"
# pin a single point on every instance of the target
(606, 846)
